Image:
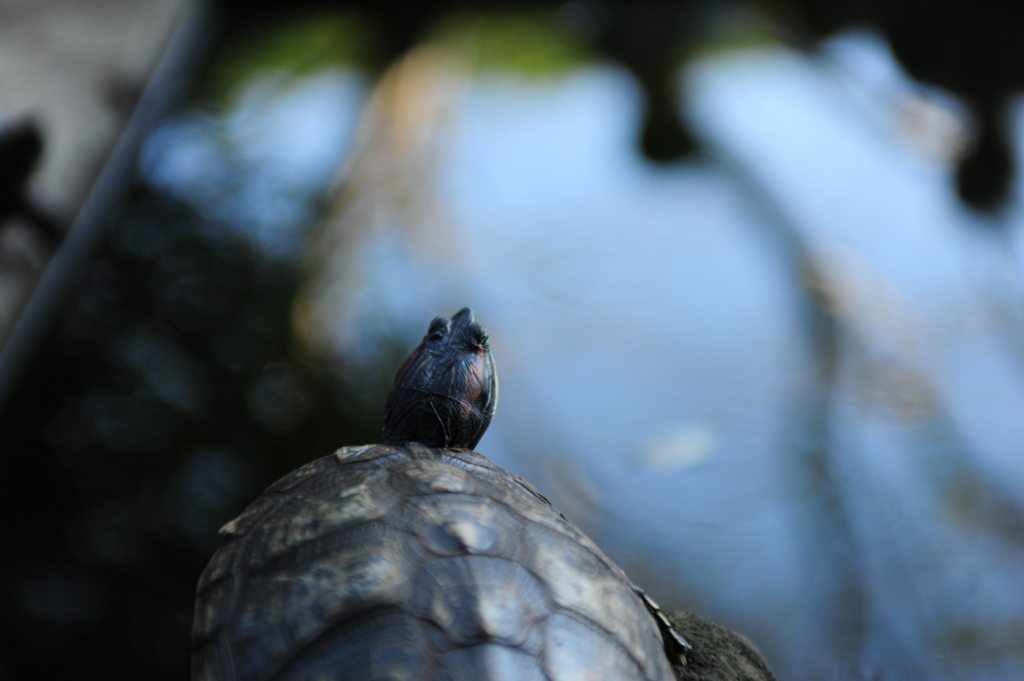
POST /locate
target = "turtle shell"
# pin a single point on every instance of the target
(408, 562)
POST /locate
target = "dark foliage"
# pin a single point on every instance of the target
(163, 402)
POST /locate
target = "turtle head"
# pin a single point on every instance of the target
(445, 393)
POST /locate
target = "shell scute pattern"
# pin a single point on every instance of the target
(594, 592)
(326, 504)
(456, 524)
(403, 562)
(580, 651)
(422, 477)
(216, 600)
(383, 645)
(492, 662)
(289, 606)
(476, 599)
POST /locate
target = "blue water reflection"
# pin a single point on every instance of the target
(258, 167)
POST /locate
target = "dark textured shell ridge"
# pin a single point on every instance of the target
(405, 562)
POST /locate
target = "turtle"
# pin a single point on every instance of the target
(418, 558)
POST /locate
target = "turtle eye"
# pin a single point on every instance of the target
(438, 327)
(478, 336)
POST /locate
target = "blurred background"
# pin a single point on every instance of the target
(752, 271)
